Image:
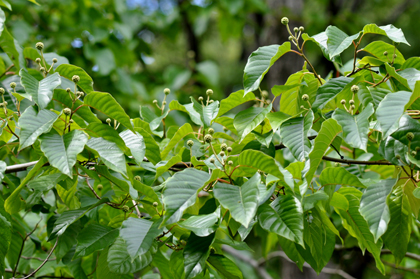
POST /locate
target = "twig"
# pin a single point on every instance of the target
(5, 71)
(415, 271)
(137, 209)
(356, 162)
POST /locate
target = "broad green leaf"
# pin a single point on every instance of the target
(397, 236)
(138, 235)
(120, 182)
(260, 161)
(105, 103)
(339, 201)
(62, 151)
(225, 267)
(120, 262)
(13, 203)
(106, 132)
(284, 216)
(201, 225)
(398, 81)
(210, 112)
(289, 248)
(40, 91)
(339, 176)
(294, 135)
(233, 100)
(311, 200)
(372, 95)
(338, 41)
(241, 201)
(68, 196)
(68, 71)
(377, 49)
(329, 130)
(6, 238)
(390, 110)
(33, 124)
(329, 91)
(152, 149)
(276, 119)
(259, 62)
(104, 271)
(164, 166)
(135, 142)
(179, 135)
(196, 253)
(249, 119)
(110, 154)
(180, 192)
(321, 41)
(409, 187)
(188, 108)
(355, 127)
(93, 238)
(395, 34)
(373, 206)
(411, 75)
(11, 47)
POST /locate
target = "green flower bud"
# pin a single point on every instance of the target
(5, 103)
(200, 99)
(39, 45)
(13, 84)
(38, 60)
(343, 102)
(229, 149)
(209, 92)
(137, 177)
(211, 101)
(305, 97)
(410, 136)
(67, 111)
(417, 148)
(80, 94)
(414, 153)
(354, 88)
(284, 21)
(296, 29)
(397, 157)
(108, 120)
(222, 153)
(2, 91)
(265, 94)
(337, 164)
(155, 102)
(75, 78)
(290, 38)
(223, 146)
(212, 161)
(230, 163)
(385, 53)
(125, 208)
(225, 129)
(68, 90)
(100, 187)
(183, 242)
(163, 103)
(301, 29)
(55, 60)
(155, 204)
(42, 69)
(351, 102)
(166, 91)
(208, 138)
(352, 107)
(395, 56)
(190, 143)
(302, 107)
(211, 131)
(71, 121)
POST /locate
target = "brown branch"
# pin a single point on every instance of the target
(356, 162)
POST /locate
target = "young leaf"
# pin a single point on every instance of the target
(68, 71)
(338, 41)
(179, 135)
(201, 225)
(94, 237)
(233, 100)
(258, 160)
(247, 120)
(395, 34)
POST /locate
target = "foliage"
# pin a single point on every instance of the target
(337, 164)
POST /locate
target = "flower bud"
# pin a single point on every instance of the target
(302, 107)
(183, 242)
(68, 90)
(343, 102)
(212, 161)
(351, 102)
(222, 153)
(223, 146)
(100, 187)
(290, 38)
(190, 143)
(155, 204)
(230, 163)
(208, 138)
(2, 91)
(410, 136)
(155, 102)
(75, 78)
(211, 131)
(163, 103)
(80, 94)
(296, 29)
(417, 148)
(209, 92)
(125, 208)
(39, 45)
(38, 60)
(137, 177)
(284, 21)
(397, 157)
(352, 107)
(55, 60)
(5, 103)
(337, 164)
(211, 101)
(166, 91)
(200, 99)
(67, 111)
(42, 69)
(265, 94)
(108, 120)
(229, 149)
(301, 29)
(305, 97)
(385, 53)
(395, 56)
(225, 129)
(71, 121)
(413, 153)
(354, 88)
(13, 84)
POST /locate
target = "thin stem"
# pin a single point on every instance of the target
(5, 71)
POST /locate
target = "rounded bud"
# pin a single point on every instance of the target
(302, 107)
(222, 153)
(55, 60)
(108, 120)
(2, 91)
(183, 242)
(42, 69)
(230, 163)
(211, 131)
(208, 138)
(100, 187)
(352, 107)
(284, 21)
(39, 45)
(385, 53)
(137, 177)
(209, 92)
(190, 143)
(13, 84)
(5, 103)
(68, 90)
(212, 161)
(229, 149)
(337, 164)
(417, 148)
(265, 94)
(395, 56)
(397, 157)
(410, 136)
(351, 102)
(225, 129)
(155, 204)
(75, 78)
(80, 94)
(200, 99)
(305, 97)
(301, 29)
(92, 168)
(354, 88)
(414, 153)
(38, 60)
(223, 146)
(67, 111)
(296, 29)
(211, 101)
(71, 121)
(166, 91)
(163, 103)
(343, 102)
(1, 105)
(155, 102)
(125, 208)
(290, 38)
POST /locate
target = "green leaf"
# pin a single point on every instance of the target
(290, 249)
(196, 253)
(225, 267)
(390, 111)
(40, 91)
(93, 238)
(377, 49)
(294, 135)
(338, 41)
(233, 100)
(6, 238)
(110, 154)
(6, 4)
(106, 132)
(260, 161)
(372, 95)
(284, 216)
(210, 113)
(105, 103)
(201, 225)
(339, 176)
(68, 71)
(395, 34)
(62, 151)
(138, 235)
(152, 149)
(373, 206)
(13, 203)
(321, 41)
(120, 262)
(183, 131)
(181, 192)
(329, 91)
(247, 120)
(242, 202)
(11, 47)
(397, 236)
(188, 108)
(329, 130)
(259, 62)
(135, 142)
(396, 79)
(355, 127)
(33, 124)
